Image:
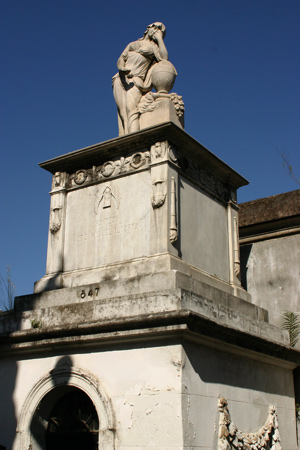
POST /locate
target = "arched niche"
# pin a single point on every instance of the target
(47, 392)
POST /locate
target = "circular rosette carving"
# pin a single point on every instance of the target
(137, 160)
(107, 169)
(80, 176)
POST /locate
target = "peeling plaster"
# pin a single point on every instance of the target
(135, 390)
(152, 388)
(149, 410)
(126, 413)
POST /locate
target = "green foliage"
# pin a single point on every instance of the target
(291, 323)
(7, 292)
(298, 412)
(36, 323)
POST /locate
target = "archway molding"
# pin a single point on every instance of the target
(72, 377)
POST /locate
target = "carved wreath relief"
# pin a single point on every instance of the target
(230, 438)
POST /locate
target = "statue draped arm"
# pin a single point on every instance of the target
(162, 50)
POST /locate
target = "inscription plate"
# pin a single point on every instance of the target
(108, 223)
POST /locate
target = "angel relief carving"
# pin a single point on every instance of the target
(158, 150)
(59, 180)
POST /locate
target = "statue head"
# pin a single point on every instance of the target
(153, 27)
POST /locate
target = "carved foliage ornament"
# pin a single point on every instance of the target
(55, 220)
(147, 103)
(230, 438)
(159, 193)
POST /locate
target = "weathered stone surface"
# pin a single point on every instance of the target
(137, 202)
(270, 253)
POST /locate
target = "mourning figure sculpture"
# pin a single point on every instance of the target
(143, 65)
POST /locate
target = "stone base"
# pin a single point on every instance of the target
(164, 111)
(159, 299)
(154, 353)
(118, 279)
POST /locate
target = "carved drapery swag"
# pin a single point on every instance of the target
(230, 438)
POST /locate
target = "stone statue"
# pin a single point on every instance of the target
(136, 77)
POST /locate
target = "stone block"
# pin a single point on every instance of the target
(164, 111)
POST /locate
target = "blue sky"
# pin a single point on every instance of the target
(238, 72)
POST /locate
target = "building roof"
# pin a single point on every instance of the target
(269, 208)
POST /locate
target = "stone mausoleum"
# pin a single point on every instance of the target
(140, 335)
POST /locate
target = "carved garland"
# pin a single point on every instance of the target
(148, 104)
(230, 438)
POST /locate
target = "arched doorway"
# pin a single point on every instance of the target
(73, 423)
(52, 397)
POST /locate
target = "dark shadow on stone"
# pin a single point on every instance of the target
(8, 419)
(217, 366)
(39, 423)
(245, 251)
(65, 418)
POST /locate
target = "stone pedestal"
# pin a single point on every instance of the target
(164, 111)
(129, 207)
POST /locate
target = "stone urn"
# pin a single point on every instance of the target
(163, 76)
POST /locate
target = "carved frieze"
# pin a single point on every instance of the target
(231, 438)
(109, 169)
(158, 152)
(197, 173)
